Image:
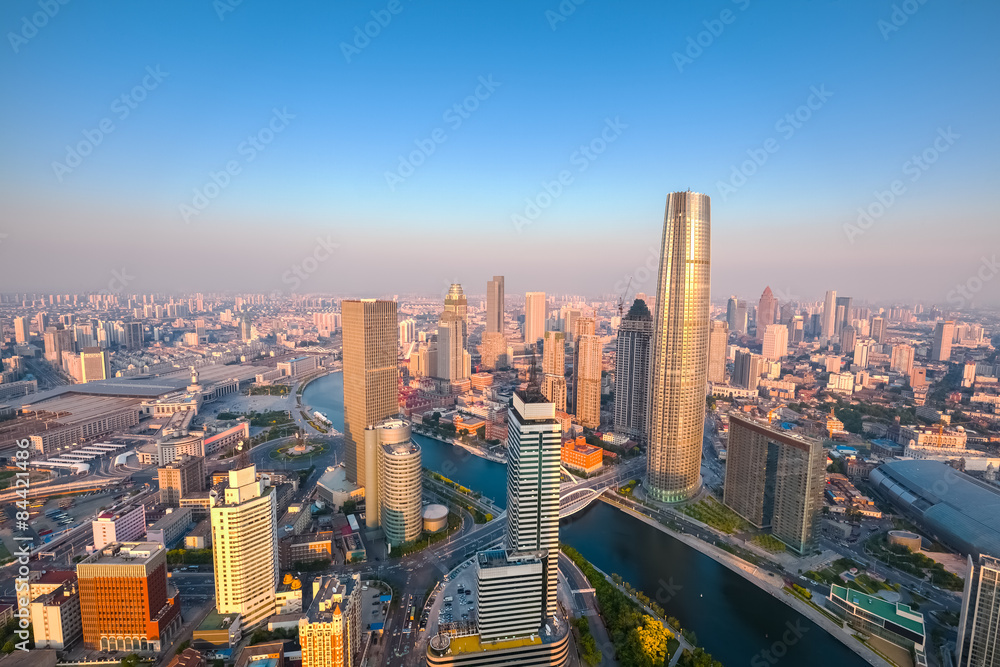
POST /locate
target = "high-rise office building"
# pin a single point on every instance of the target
(775, 342)
(533, 455)
(133, 335)
(978, 642)
(775, 480)
(635, 335)
(494, 345)
(680, 349)
(848, 338)
(534, 317)
(495, 305)
(767, 311)
(181, 478)
(741, 318)
(126, 601)
(454, 361)
(587, 374)
(718, 341)
(246, 328)
(94, 364)
(245, 547)
(554, 353)
(829, 315)
(863, 350)
(330, 631)
(843, 314)
(407, 331)
(554, 369)
(40, 322)
(57, 341)
(747, 369)
(568, 318)
(518, 620)
(944, 333)
(901, 359)
(731, 306)
(21, 333)
(370, 375)
(394, 486)
(878, 327)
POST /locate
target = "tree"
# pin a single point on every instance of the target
(647, 643)
(131, 660)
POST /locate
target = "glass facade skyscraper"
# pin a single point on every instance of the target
(679, 365)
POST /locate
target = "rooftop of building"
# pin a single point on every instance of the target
(55, 577)
(217, 621)
(323, 606)
(124, 553)
(958, 506)
(335, 480)
(894, 612)
(400, 448)
(118, 513)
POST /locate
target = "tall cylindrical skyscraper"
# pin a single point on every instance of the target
(679, 361)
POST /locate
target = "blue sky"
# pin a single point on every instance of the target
(890, 91)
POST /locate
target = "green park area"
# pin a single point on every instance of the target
(710, 511)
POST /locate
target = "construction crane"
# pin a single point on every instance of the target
(621, 299)
(770, 414)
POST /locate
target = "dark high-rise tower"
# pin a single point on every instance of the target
(632, 371)
(679, 364)
(494, 305)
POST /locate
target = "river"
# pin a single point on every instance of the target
(734, 620)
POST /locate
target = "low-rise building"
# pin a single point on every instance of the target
(55, 617)
(896, 623)
(169, 529)
(583, 457)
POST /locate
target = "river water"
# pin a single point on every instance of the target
(735, 621)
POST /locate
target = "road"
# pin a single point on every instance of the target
(586, 604)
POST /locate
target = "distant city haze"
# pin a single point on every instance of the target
(262, 149)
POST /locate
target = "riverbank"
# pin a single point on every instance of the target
(769, 583)
(475, 451)
(301, 389)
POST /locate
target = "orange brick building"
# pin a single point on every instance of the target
(579, 455)
(125, 604)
